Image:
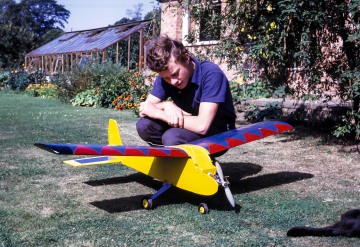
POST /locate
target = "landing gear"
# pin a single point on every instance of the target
(147, 202)
(203, 208)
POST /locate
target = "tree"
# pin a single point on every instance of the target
(122, 21)
(149, 31)
(49, 36)
(14, 42)
(39, 16)
(136, 13)
(155, 17)
(23, 24)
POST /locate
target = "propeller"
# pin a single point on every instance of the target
(225, 184)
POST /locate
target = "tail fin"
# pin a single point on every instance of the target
(114, 137)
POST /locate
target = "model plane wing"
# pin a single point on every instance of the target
(214, 144)
(232, 138)
(106, 150)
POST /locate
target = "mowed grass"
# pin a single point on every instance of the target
(283, 181)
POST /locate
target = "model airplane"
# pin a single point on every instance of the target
(190, 167)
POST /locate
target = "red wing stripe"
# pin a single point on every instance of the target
(251, 137)
(233, 142)
(134, 152)
(158, 152)
(85, 150)
(214, 148)
(178, 153)
(267, 132)
(108, 150)
(283, 127)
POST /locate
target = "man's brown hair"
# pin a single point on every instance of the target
(161, 49)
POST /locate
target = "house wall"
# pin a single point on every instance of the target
(171, 19)
(172, 24)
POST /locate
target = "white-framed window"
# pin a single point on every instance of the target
(207, 30)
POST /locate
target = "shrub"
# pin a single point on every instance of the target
(20, 79)
(82, 78)
(112, 86)
(271, 111)
(256, 90)
(132, 100)
(44, 90)
(349, 126)
(86, 98)
(4, 76)
(105, 85)
(124, 90)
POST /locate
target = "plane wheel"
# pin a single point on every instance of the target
(203, 208)
(147, 203)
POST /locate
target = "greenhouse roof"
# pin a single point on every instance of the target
(88, 40)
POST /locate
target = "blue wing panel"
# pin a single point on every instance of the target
(232, 138)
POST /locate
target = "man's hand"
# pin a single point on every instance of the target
(147, 109)
(174, 115)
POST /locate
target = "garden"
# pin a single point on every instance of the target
(306, 177)
(302, 177)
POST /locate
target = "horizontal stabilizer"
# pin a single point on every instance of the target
(101, 160)
(232, 138)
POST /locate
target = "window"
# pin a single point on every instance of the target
(200, 23)
(209, 28)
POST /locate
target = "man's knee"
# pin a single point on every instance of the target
(177, 136)
(171, 138)
(142, 127)
(150, 130)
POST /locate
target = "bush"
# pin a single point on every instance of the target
(256, 90)
(4, 76)
(82, 78)
(271, 111)
(19, 80)
(349, 126)
(45, 90)
(86, 98)
(124, 90)
(132, 99)
(106, 85)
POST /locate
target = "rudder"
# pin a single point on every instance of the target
(114, 137)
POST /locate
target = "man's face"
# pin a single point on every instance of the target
(178, 73)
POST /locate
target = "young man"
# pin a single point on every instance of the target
(201, 103)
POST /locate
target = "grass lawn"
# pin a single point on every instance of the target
(292, 179)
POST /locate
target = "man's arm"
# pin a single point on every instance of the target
(201, 123)
(168, 112)
(152, 107)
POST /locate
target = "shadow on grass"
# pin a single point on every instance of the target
(324, 133)
(238, 185)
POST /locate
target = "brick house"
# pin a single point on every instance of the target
(177, 24)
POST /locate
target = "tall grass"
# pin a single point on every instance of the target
(46, 203)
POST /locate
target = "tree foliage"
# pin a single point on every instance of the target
(136, 13)
(24, 24)
(149, 31)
